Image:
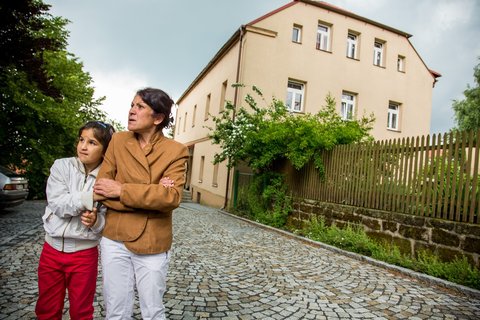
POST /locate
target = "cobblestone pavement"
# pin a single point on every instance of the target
(226, 268)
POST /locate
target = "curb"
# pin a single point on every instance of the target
(470, 292)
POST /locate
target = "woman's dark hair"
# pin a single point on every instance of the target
(160, 102)
(101, 131)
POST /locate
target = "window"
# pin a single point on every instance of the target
(352, 45)
(297, 34)
(393, 116)
(207, 106)
(323, 37)
(185, 122)
(222, 97)
(194, 115)
(401, 63)
(378, 53)
(178, 124)
(348, 106)
(295, 92)
(200, 173)
(215, 176)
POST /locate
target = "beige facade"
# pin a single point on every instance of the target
(300, 53)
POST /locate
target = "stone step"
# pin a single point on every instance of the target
(187, 196)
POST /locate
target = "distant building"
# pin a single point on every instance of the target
(299, 53)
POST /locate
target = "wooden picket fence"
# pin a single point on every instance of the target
(434, 176)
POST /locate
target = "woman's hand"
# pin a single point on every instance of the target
(108, 188)
(89, 218)
(167, 182)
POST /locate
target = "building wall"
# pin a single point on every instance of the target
(205, 188)
(193, 131)
(269, 59)
(189, 131)
(270, 62)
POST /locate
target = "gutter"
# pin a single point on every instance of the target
(237, 79)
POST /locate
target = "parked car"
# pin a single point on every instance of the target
(13, 188)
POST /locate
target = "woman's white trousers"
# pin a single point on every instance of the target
(122, 270)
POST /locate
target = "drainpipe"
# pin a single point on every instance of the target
(240, 46)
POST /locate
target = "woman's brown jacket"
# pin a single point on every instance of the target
(142, 216)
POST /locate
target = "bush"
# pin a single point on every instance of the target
(265, 200)
(458, 271)
(260, 135)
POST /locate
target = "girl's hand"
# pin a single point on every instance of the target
(89, 218)
(167, 182)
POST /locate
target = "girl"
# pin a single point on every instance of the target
(73, 226)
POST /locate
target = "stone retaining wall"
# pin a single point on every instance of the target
(410, 233)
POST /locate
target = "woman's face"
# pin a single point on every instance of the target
(89, 149)
(141, 118)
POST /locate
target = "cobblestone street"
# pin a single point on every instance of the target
(226, 268)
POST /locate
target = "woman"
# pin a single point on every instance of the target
(73, 226)
(138, 229)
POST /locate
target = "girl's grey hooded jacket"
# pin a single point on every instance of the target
(69, 193)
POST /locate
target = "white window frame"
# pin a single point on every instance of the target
(401, 63)
(202, 166)
(297, 33)
(207, 105)
(185, 122)
(348, 106)
(378, 51)
(194, 115)
(393, 117)
(352, 45)
(323, 37)
(215, 175)
(295, 96)
(222, 96)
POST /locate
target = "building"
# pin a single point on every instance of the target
(299, 53)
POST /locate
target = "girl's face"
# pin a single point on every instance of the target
(141, 118)
(89, 150)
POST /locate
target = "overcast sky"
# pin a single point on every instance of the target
(129, 44)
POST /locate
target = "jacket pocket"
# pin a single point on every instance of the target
(52, 223)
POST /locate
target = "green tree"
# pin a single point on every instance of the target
(261, 135)
(45, 95)
(467, 111)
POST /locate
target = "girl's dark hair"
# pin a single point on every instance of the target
(101, 131)
(160, 102)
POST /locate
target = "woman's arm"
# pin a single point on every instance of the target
(158, 197)
(103, 190)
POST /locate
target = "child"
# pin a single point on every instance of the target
(73, 226)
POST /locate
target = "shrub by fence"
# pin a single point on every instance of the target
(417, 193)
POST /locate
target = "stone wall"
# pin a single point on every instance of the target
(410, 233)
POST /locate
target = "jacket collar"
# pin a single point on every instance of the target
(133, 147)
(157, 136)
(80, 167)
